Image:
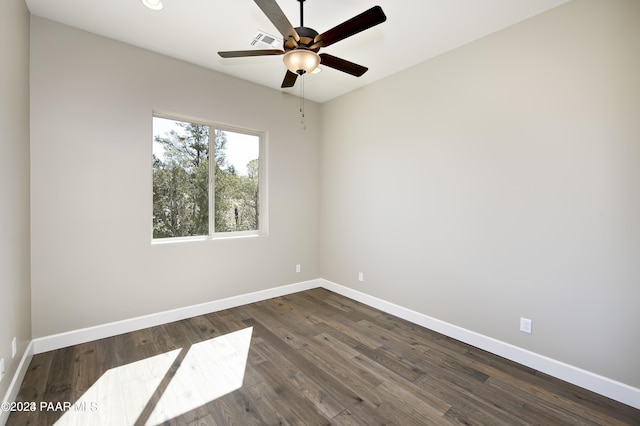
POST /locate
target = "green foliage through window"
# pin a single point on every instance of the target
(199, 169)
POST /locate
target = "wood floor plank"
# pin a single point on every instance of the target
(327, 392)
(34, 386)
(318, 358)
(357, 379)
(206, 420)
(563, 410)
(340, 360)
(228, 411)
(289, 399)
(544, 416)
(347, 418)
(336, 325)
(602, 404)
(84, 367)
(529, 389)
(226, 321)
(403, 389)
(271, 406)
(161, 339)
(390, 362)
(470, 400)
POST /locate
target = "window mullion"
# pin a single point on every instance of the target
(212, 181)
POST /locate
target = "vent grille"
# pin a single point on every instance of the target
(264, 40)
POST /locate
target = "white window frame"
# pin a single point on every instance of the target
(263, 220)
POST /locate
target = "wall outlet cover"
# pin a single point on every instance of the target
(525, 325)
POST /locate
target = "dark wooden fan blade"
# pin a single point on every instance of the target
(278, 18)
(289, 79)
(342, 65)
(365, 20)
(245, 53)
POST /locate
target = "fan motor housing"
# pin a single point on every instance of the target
(307, 37)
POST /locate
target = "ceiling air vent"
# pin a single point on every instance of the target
(263, 40)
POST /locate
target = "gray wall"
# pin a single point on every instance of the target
(501, 180)
(496, 181)
(15, 307)
(93, 261)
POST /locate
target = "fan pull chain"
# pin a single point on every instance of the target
(302, 120)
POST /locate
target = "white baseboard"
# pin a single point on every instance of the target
(602, 385)
(18, 377)
(585, 379)
(75, 337)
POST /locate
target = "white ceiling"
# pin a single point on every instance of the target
(195, 30)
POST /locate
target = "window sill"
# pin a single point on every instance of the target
(220, 236)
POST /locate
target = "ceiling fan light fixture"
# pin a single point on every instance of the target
(301, 61)
(153, 4)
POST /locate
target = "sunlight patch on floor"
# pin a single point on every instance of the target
(211, 369)
(120, 394)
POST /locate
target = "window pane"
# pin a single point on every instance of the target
(180, 178)
(236, 181)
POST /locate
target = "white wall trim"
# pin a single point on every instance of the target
(18, 377)
(75, 337)
(585, 379)
(602, 385)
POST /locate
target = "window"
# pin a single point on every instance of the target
(206, 180)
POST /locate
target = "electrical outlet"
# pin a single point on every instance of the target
(298, 268)
(361, 276)
(14, 348)
(1, 369)
(525, 325)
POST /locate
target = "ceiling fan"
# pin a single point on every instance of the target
(301, 44)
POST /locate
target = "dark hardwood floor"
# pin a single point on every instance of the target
(317, 358)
